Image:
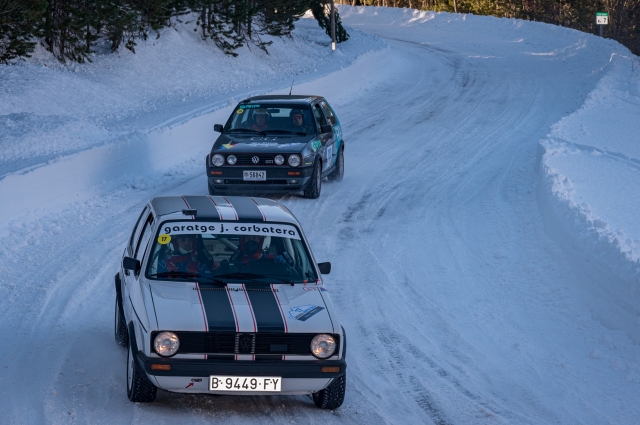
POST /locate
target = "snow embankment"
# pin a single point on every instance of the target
(589, 171)
(71, 132)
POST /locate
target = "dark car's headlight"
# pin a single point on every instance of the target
(323, 346)
(231, 159)
(294, 160)
(217, 160)
(279, 159)
(166, 344)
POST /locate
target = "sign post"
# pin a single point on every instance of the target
(333, 26)
(602, 18)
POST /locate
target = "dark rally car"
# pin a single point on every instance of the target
(277, 144)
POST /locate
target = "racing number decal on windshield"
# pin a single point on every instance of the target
(164, 239)
(239, 111)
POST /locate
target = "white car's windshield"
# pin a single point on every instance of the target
(229, 252)
(272, 119)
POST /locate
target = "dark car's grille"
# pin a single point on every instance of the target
(246, 159)
(244, 343)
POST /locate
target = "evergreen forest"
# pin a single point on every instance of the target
(624, 15)
(74, 30)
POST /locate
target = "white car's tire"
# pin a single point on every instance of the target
(331, 397)
(120, 327)
(139, 390)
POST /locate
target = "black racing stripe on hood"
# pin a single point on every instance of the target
(246, 208)
(204, 206)
(217, 307)
(265, 308)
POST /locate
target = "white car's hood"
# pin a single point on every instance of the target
(186, 306)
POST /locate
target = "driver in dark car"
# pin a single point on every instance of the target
(260, 120)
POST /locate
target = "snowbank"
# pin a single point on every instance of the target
(72, 132)
(49, 109)
(589, 175)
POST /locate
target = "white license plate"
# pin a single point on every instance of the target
(245, 383)
(254, 175)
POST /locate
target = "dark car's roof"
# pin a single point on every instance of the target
(282, 98)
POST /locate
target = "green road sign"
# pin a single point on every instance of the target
(602, 18)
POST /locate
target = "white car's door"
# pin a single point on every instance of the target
(132, 296)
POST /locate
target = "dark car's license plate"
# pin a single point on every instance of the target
(254, 175)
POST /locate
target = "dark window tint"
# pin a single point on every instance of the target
(328, 113)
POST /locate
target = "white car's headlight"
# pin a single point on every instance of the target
(323, 346)
(279, 159)
(231, 159)
(166, 344)
(294, 160)
(217, 160)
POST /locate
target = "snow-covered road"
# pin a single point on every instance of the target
(459, 304)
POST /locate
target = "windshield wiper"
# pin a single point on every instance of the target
(299, 133)
(251, 276)
(247, 130)
(180, 274)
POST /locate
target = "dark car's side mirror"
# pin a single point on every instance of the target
(326, 129)
(325, 268)
(132, 264)
(218, 128)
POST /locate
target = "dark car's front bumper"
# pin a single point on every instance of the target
(209, 367)
(279, 178)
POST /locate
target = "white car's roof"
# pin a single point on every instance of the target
(219, 208)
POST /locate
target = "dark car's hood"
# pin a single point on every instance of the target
(255, 143)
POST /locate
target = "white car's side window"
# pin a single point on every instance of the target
(144, 238)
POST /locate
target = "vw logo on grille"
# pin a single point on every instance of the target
(245, 343)
(255, 159)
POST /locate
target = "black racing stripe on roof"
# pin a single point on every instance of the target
(246, 208)
(217, 307)
(204, 206)
(167, 204)
(265, 309)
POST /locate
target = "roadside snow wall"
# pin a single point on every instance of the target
(589, 188)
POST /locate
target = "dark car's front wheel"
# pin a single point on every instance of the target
(331, 397)
(138, 389)
(315, 183)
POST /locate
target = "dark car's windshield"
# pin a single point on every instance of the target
(272, 120)
(237, 252)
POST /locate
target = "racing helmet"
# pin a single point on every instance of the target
(261, 112)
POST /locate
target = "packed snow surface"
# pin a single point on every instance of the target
(484, 241)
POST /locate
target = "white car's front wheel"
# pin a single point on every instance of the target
(119, 325)
(331, 397)
(138, 388)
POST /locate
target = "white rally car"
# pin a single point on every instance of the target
(222, 295)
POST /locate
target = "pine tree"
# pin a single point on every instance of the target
(321, 11)
(19, 22)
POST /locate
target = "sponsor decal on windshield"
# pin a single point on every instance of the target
(248, 106)
(239, 111)
(304, 312)
(272, 144)
(260, 229)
